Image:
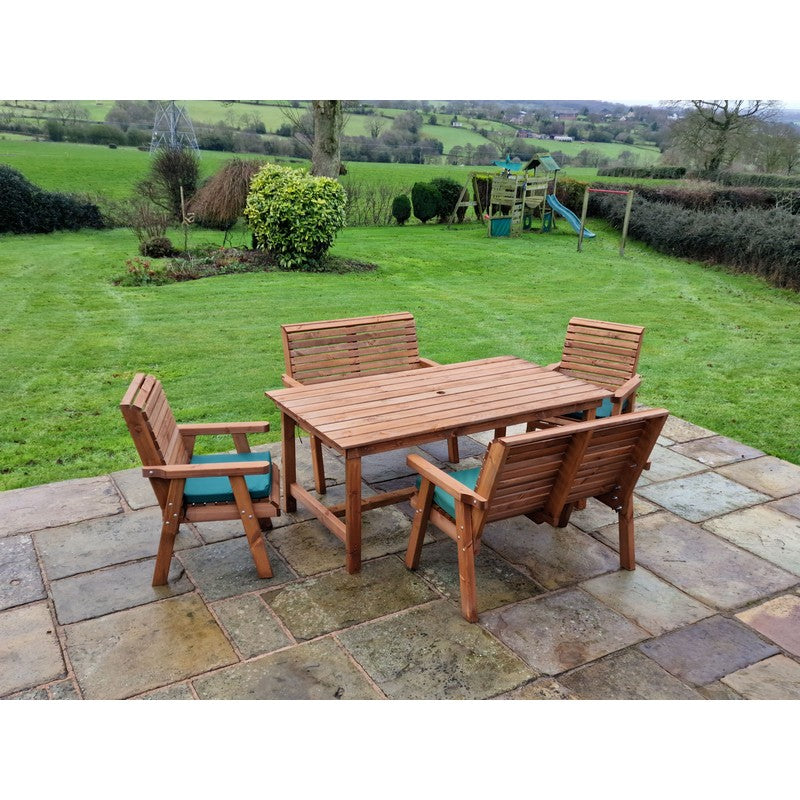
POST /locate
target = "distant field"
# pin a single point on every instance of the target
(645, 154)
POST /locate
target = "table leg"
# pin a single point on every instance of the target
(289, 465)
(352, 518)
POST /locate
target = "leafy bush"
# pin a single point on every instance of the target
(159, 247)
(450, 191)
(25, 208)
(426, 200)
(401, 209)
(294, 215)
(662, 173)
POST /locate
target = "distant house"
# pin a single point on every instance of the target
(565, 115)
(524, 133)
(456, 125)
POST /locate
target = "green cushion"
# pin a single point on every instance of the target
(218, 490)
(603, 410)
(469, 477)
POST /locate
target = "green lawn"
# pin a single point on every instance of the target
(716, 349)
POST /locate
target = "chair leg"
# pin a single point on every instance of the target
(171, 520)
(498, 432)
(423, 503)
(627, 555)
(466, 563)
(318, 464)
(452, 450)
(252, 528)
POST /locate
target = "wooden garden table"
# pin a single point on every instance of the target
(366, 415)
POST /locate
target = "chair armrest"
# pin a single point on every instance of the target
(214, 428)
(427, 362)
(449, 484)
(290, 382)
(221, 469)
(627, 388)
(555, 366)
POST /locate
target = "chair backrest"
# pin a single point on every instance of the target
(603, 353)
(334, 349)
(151, 423)
(547, 470)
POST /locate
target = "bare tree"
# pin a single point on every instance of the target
(69, 111)
(319, 133)
(713, 132)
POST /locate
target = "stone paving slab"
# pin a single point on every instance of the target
(134, 488)
(29, 651)
(653, 604)
(316, 606)
(553, 557)
(765, 531)
(133, 651)
(317, 670)
(629, 675)
(777, 619)
(498, 583)
(99, 543)
(20, 577)
(54, 504)
(716, 451)
(225, 569)
(252, 628)
(540, 689)
(776, 678)
(680, 553)
(679, 430)
(178, 692)
(433, 653)
(667, 464)
(769, 475)
(718, 691)
(789, 505)
(700, 497)
(708, 650)
(597, 515)
(93, 594)
(560, 631)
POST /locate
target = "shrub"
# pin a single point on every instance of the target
(426, 200)
(294, 215)
(368, 202)
(142, 273)
(171, 169)
(146, 220)
(219, 202)
(449, 191)
(25, 208)
(401, 209)
(159, 247)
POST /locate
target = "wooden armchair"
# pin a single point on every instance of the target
(541, 475)
(606, 354)
(331, 350)
(200, 488)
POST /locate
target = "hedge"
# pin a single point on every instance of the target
(25, 208)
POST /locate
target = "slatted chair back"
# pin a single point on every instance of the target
(547, 472)
(603, 353)
(152, 424)
(347, 348)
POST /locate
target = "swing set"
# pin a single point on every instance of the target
(628, 206)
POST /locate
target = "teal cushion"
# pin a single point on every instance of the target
(218, 490)
(603, 410)
(469, 477)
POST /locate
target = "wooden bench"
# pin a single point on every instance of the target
(331, 350)
(200, 488)
(541, 475)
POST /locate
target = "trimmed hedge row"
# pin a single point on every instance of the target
(764, 242)
(749, 179)
(703, 197)
(25, 208)
(663, 173)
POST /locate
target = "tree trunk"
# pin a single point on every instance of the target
(325, 156)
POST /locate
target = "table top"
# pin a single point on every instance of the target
(399, 409)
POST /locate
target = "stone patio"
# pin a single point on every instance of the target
(711, 612)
